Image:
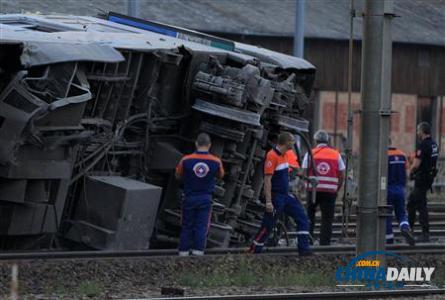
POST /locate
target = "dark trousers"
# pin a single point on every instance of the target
(327, 208)
(290, 205)
(196, 212)
(396, 198)
(417, 202)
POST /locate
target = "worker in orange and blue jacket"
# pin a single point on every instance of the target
(278, 198)
(397, 165)
(198, 171)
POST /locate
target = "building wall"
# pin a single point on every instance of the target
(332, 116)
(416, 69)
(417, 77)
(403, 122)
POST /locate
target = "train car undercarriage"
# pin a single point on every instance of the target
(93, 122)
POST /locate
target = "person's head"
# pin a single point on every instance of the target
(203, 142)
(423, 130)
(321, 137)
(285, 140)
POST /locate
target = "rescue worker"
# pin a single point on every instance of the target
(294, 165)
(329, 173)
(278, 199)
(198, 171)
(423, 171)
(397, 163)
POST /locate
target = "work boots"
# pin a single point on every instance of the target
(408, 236)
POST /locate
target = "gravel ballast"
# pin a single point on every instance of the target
(208, 275)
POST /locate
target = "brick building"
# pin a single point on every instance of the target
(418, 50)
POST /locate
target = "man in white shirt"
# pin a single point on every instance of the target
(329, 173)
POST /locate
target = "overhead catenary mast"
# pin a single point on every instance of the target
(299, 29)
(133, 8)
(375, 117)
(347, 198)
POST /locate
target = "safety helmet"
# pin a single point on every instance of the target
(321, 136)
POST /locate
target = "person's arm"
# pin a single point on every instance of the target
(415, 165)
(341, 179)
(269, 169)
(304, 163)
(292, 159)
(268, 192)
(299, 172)
(341, 173)
(417, 160)
(179, 170)
(221, 170)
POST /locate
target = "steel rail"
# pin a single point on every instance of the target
(324, 295)
(425, 249)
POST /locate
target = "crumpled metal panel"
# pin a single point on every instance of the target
(230, 91)
(42, 53)
(164, 156)
(227, 112)
(17, 107)
(134, 38)
(223, 132)
(298, 124)
(12, 190)
(282, 60)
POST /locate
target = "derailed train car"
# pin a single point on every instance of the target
(95, 114)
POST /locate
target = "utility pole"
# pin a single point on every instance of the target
(375, 117)
(133, 8)
(299, 29)
(347, 199)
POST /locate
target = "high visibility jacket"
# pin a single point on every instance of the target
(292, 159)
(276, 164)
(397, 165)
(326, 162)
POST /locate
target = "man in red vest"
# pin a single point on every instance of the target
(329, 173)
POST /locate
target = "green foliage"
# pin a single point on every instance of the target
(90, 288)
(55, 288)
(245, 272)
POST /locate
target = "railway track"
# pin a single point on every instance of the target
(434, 249)
(437, 225)
(436, 217)
(380, 294)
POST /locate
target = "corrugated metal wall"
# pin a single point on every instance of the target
(417, 69)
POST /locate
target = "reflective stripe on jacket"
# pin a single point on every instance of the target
(326, 161)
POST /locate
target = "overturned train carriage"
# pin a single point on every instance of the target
(95, 115)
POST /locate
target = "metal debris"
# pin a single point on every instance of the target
(82, 97)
